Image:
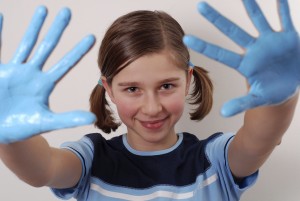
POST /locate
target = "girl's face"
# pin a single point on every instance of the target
(149, 95)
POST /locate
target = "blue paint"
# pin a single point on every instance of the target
(271, 62)
(25, 88)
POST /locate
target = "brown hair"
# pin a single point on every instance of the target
(137, 34)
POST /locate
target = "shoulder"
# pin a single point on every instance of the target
(193, 148)
(216, 149)
(98, 140)
(219, 141)
(211, 149)
(93, 145)
(191, 139)
(106, 150)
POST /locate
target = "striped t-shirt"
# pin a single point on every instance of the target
(192, 169)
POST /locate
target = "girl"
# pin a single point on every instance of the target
(146, 72)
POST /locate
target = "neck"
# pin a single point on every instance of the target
(151, 142)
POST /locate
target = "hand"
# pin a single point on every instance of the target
(25, 88)
(271, 62)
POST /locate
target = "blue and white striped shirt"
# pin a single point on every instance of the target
(192, 169)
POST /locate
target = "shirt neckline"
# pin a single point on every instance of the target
(151, 153)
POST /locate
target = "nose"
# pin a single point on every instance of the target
(151, 105)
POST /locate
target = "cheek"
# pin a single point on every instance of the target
(126, 109)
(175, 105)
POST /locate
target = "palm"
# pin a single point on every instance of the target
(270, 63)
(24, 98)
(25, 88)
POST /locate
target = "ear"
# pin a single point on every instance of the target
(107, 88)
(188, 81)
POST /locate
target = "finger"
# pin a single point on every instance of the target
(51, 39)
(1, 23)
(230, 29)
(285, 16)
(67, 120)
(257, 16)
(31, 35)
(239, 105)
(214, 52)
(57, 71)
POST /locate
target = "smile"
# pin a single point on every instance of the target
(153, 125)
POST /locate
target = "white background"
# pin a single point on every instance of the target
(279, 177)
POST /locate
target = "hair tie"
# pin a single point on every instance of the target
(191, 65)
(100, 82)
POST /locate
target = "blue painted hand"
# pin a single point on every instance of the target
(271, 62)
(25, 88)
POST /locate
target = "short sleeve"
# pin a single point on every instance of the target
(217, 152)
(84, 151)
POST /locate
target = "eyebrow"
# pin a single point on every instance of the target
(124, 84)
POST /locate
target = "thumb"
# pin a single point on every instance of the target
(67, 120)
(238, 105)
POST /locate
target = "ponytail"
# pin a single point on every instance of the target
(101, 108)
(202, 94)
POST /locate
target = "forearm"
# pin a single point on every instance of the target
(29, 159)
(262, 131)
(38, 164)
(264, 126)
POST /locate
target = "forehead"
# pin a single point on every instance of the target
(153, 66)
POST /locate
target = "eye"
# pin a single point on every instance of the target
(132, 89)
(167, 86)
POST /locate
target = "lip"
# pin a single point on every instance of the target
(153, 124)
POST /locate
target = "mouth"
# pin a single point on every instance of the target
(154, 124)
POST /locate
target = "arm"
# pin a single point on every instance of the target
(24, 108)
(37, 164)
(262, 131)
(271, 65)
